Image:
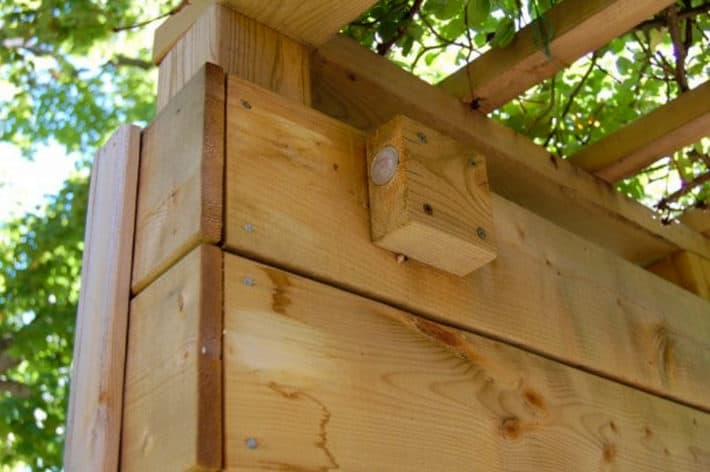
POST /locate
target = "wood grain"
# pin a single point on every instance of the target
(359, 87)
(180, 184)
(437, 207)
(686, 270)
(173, 395)
(240, 46)
(577, 27)
(300, 201)
(320, 379)
(96, 393)
(698, 219)
(623, 153)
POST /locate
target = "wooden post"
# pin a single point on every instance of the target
(95, 402)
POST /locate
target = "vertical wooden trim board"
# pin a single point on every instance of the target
(95, 402)
(321, 379)
(173, 393)
(180, 185)
(296, 197)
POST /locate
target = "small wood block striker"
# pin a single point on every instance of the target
(429, 197)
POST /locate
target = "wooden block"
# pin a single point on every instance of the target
(180, 184)
(172, 417)
(301, 202)
(239, 45)
(96, 393)
(429, 197)
(320, 379)
(686, 270)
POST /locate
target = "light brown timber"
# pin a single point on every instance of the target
(180, 184)
(577, 27)
(240, 46)
(687, 270)
(301, 202)
(321, 379)
(698, 219)
(668, 128)
(361, 88)
(96, 393)
(309, 22)
(173, 394)
(437, 207)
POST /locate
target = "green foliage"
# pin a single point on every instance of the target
(40, 264)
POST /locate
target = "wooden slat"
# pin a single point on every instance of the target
(623, 153)
(310, 22)
(94, 417)
(365, 90)
(687, 270)
(240, 46)
(180, 185)
(173, 394)
(301, 202)
(320, 379)
(577, 27)
(698, 219)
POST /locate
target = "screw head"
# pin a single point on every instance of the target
(472, 162)
(421, 137)
(248, 281)
(384, 165)
(246, 104)
(249, 228)
(481, 232)
(251, 443)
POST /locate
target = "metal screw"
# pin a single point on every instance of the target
(246, 104)
(481, 233)
(472, 162)
(422, 137)
(251, 443)
(248, 281)
(249, 228)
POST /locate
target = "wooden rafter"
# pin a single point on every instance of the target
(359, 87)
(310, 22)
(577, 27)
(668, 128)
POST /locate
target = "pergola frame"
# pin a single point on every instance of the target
(216, 210)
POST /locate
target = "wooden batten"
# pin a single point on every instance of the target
(173, 393)
(180, 185)
(687, 270)
(361, 88)
(429, 197)
(576, 27)
(320, 379)
(239, 45)
(623, 153)
(301, 202)
(95, 402)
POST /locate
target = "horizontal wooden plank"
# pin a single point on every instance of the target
(320, 379)
(623, 153)
(180, 183)
(310, 22)
(241, 46)
(96, 393)
(300, 201)
(363, 89)
(172, 416)
(577, 27)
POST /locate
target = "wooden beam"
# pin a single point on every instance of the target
(686, 270)
(577, 27)
(239, 45)
(96, 393)
(698, 219)
(623, 153)
(180, 185)
(309, 22)
(301, 202)
(359, 87)
(173, 394)
(321, 379)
